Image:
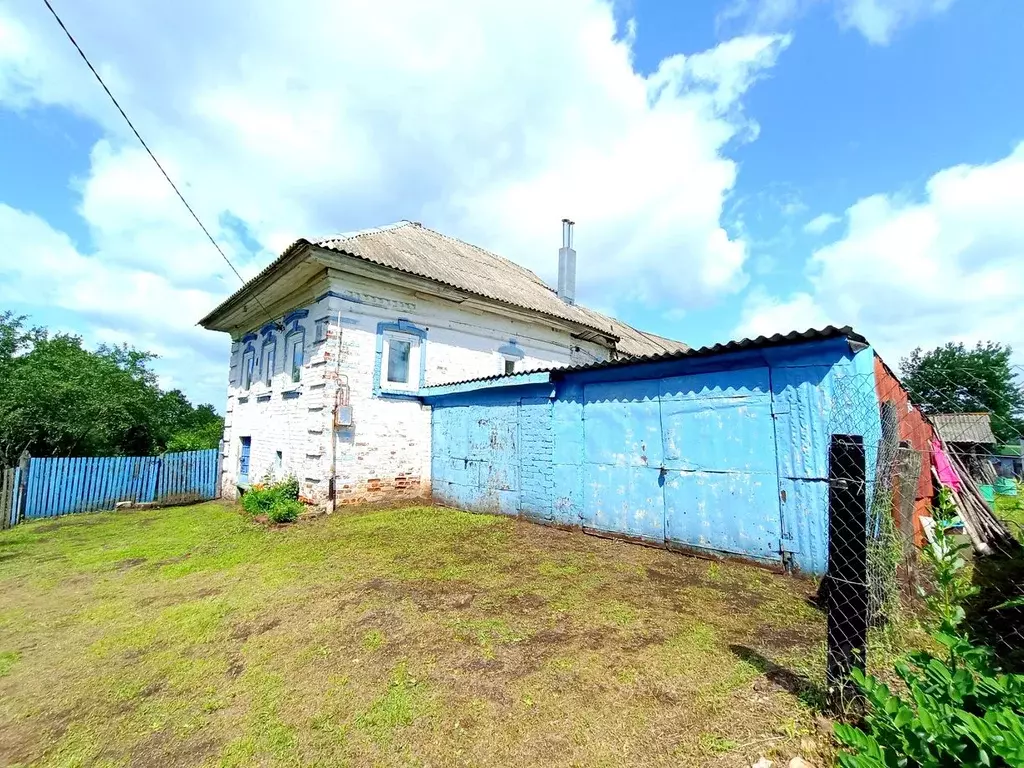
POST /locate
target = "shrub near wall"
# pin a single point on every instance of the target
(279, 502)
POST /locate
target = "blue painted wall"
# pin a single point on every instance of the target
(726, 454)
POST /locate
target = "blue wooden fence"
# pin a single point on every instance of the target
(65, 486)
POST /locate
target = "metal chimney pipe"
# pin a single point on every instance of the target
(567, 265)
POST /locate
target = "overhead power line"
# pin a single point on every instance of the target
(148, 150)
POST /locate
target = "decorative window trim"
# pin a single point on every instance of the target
(509, 353)
(512, 351)
(294, 316)
(400, 326)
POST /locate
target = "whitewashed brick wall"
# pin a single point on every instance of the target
(386, 452)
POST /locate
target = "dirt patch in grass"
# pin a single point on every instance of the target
(411, 635)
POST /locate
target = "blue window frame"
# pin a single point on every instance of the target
(401, 363)
(268, 352)
(268, 360)
(248, 367)
(295, 344)
(296, 355)
(248, 360)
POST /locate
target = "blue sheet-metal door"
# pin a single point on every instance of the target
(243, 461)
(622, 472)
(493, 452)
(721, 479)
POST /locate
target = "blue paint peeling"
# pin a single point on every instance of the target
(727, 454)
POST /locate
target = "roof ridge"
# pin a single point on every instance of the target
(341, 237)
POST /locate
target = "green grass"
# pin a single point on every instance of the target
(1011, 510)
(416, 636)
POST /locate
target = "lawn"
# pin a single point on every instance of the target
(415, 636)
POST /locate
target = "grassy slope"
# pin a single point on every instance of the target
(414, 636)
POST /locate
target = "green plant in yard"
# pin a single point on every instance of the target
(959, 708)
(278, 501)
(285, 511)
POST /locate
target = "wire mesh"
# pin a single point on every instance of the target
(911, 449)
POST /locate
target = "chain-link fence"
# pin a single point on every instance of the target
(894, 445)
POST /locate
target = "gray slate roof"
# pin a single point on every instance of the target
(417, 250)
(963, 427)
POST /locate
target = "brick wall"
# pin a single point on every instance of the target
(536, 445)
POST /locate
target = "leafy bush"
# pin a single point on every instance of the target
(961, 710)
(197, 438)
(278, 501)
(285, 511)
(289, 487)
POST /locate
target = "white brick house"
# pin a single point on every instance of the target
(332, 341)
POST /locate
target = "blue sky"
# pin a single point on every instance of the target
(693, 143)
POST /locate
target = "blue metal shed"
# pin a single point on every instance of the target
(721, 450)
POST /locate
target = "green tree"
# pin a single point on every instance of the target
(59, 399)
(956, 379)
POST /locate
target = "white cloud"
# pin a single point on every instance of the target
(487, 121)
(822, 222)
(919, 273)
(876, 20)
(115, 303)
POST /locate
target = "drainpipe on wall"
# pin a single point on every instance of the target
(334, 422)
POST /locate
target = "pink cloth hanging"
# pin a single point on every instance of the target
(943, 468)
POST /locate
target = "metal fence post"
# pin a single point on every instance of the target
(847, 589)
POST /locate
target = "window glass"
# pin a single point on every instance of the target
(268, 363)
(296, 359)
(399, 352)
(510, 366)
(321, 330)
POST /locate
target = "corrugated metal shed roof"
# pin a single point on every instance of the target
(963, 427)
(761, 342)
(417, 250)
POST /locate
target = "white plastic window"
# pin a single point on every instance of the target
(401, 362)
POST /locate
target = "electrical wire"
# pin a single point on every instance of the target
(149, 151)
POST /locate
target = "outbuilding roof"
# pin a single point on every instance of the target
(963, 427)
(413, 249)
(761, 342)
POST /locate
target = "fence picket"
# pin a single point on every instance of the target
(75, 491)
